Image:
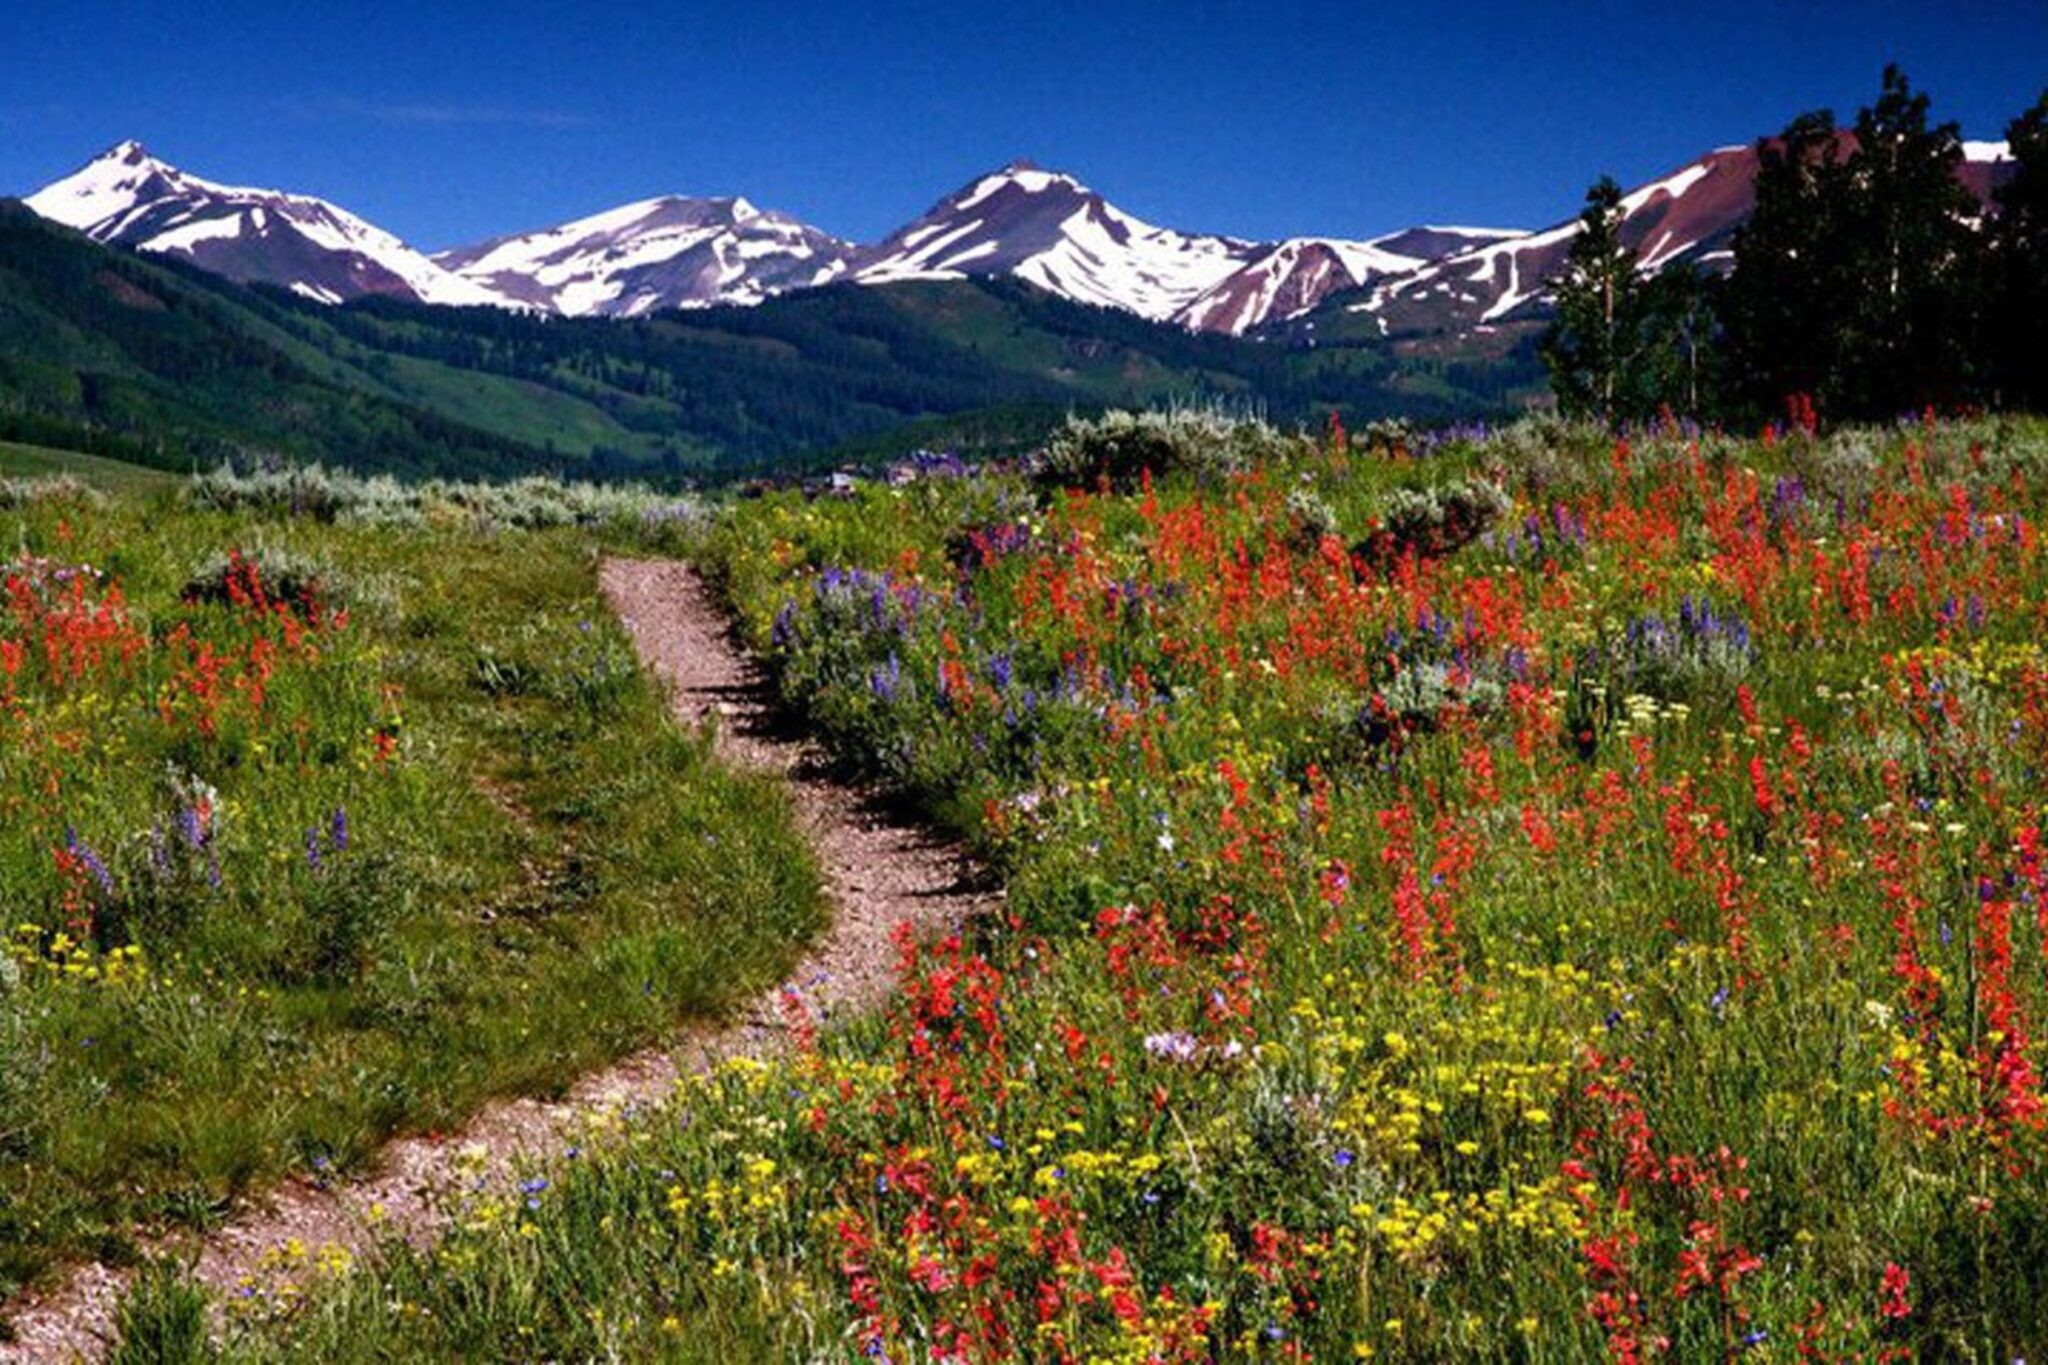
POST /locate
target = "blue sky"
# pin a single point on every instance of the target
(453, 122)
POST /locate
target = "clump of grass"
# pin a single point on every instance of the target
(352, 903)
(162, 1319)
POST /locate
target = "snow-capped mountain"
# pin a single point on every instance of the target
(1041, 226)
(1052, 230)
(127, 196)
(1290, 278)
(1057, 233)
(670, 252)
(1688, 215)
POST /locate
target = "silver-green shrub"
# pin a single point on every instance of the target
(350, 499)
(1122, 447)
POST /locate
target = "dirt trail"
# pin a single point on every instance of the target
(880, 875)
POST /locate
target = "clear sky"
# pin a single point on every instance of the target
(452, 122)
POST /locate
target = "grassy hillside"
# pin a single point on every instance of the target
(158, 363)
(114, 476)
(845, 369)
(122, 356)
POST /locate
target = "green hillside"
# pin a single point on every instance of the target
(157, 363)
(119, 356)
(114, 476)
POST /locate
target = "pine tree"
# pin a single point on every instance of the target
(1786, 305)
(1589, 347)
(1681, 367)
(2016, 332)
(1853, 276)
(1624, 347)
(1909, 234)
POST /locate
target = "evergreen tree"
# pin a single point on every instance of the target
(1910, 238)
(1681, 368)
(2016, 333)
(1852, 278)
(1786, 305)
(1624, 347)
(1590, 347)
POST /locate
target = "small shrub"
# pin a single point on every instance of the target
(1433, 523)
(1413, 702)
(1123, 447)
(349, 499)
(1548, 456)
(1699, 649)
(1388, 438)
(166, 876)
(297, 490)
(1309, 519)
(16, 493)
(351, 902)
(18, 1059)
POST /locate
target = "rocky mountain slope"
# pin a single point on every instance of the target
(127, 197)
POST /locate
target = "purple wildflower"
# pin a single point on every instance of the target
(90, 860)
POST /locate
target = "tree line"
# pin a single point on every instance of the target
(1869, 281)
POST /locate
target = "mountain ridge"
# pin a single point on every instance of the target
(664, 252)
(1044, 227)
(155, 359)
(127, 196)
(681, 251)
(1687, 215)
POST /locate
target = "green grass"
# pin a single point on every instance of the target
(513, 408)
(114, 476)
(544, 874)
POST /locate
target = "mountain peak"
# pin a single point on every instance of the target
(672, 251)
(1022, 174)
(1049, 229)
(126, 196)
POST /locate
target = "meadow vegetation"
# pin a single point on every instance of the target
(328, 810)
(1604, 919)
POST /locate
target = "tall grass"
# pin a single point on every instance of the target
(315, 833)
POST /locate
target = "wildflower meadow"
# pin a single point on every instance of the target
(1530, 895)
(299, 830)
